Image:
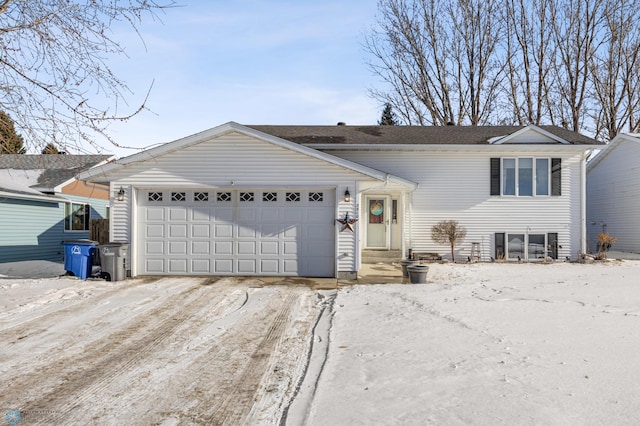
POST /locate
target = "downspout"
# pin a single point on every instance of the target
(410, 220)
(583, 203)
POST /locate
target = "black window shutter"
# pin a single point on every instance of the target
(499, 240)
(556, 176)
(495, 176)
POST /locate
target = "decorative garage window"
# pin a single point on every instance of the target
(223, 196)
(269, 196)
(77, 217)
(246, 196)
(154, 196)
(293, 196)
(178, 196)
(316, 197)
(526, 177)
(200, 196)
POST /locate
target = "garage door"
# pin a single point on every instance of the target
(236, 232)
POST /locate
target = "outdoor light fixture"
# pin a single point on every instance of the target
(347, 196)
(120, 196)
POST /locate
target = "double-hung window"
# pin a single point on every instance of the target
(525, 176)
(76, 217)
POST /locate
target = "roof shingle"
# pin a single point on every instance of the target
(412, 135)
(56, 168)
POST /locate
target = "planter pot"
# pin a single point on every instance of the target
(405, 263)
(418, 274)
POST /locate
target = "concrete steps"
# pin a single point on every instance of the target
(381, 256)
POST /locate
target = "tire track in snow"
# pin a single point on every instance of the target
(31, 326)
(238, 403)
(74, 380)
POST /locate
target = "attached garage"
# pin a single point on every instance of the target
(282, 232)
(233, 200)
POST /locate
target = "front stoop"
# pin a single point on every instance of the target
(381, 256)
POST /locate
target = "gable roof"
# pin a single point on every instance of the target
(100, 173)
(415, 135)
(35, 174)
(621, 137)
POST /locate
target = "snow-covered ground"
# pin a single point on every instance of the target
(498, 343)
(487, 344)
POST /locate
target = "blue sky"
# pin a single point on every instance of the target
(249, 61)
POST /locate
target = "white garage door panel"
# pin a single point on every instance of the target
(261, 232)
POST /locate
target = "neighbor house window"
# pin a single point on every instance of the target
(526, 177)
(77, 217)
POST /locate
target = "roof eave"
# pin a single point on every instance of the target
(21, 196)
(606, 149)
(452, 147)
(229, 127)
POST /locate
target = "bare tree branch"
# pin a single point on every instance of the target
(57, 82)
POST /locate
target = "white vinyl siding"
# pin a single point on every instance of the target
(455, 186)
(613, 196)
(236, 162)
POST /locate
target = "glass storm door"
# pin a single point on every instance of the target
(377, 213)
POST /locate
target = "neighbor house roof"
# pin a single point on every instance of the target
(412, 135)
(37, 174)
(620, 138)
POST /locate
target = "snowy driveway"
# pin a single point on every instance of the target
(153, 351)
(526, 344)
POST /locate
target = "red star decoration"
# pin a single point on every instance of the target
(346, 222)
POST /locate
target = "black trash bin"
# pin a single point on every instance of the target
(78, 257)
(113, 260)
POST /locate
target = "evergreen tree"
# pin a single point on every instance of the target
(10, 141)
(50, 149)
(388, 117)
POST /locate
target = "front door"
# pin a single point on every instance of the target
(377, 214)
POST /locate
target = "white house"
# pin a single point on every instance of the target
(613, 193)
(307, 200)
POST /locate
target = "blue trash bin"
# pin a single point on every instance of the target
(78, 257)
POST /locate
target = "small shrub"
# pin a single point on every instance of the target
(448, 231)
(604, 244)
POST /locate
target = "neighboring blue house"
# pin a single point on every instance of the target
(43, 204)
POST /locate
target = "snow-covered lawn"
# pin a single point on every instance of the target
(524, 344)
(487, 344)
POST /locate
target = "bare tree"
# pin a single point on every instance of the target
(439, 58)
(574, 63)
(528, 46)
(575, 25)
(476, 32)
(411, 51)
(56, 76)
(448, 232)
(614, 70)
